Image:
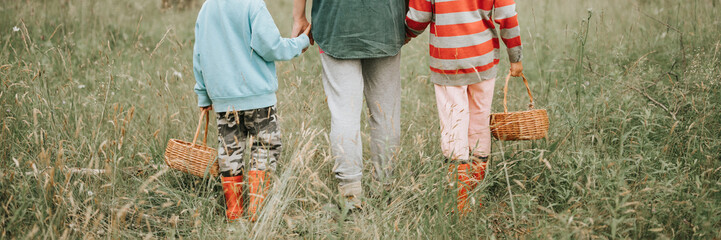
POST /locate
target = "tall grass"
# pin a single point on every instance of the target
(632, 89)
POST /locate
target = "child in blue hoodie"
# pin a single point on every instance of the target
(236, 46)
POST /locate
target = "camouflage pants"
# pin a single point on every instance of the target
(255, 128)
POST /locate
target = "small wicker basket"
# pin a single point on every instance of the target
(523, 125)
(190, 157)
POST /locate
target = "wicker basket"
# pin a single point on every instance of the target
(190, 157)
(524, 125)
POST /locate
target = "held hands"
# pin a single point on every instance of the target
(408, 36)
(207, 108)
(516, 69)
(310, 35)
(307, 31)
(301, 26)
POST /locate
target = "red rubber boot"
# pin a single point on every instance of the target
(232, 187)
(466, 185)
(258, 191)
(479, 173)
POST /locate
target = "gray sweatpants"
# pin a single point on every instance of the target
(346, 82)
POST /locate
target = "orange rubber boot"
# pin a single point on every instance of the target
(466, 184)
(232, 187)
(479, 173)
(258, 191)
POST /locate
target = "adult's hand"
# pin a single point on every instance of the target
(300, 25)
(300, 22)
(516, 69)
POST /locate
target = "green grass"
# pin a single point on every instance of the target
(634, 148)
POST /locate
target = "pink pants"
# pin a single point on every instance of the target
(465, 112)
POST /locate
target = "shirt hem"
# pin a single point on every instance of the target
(244, 103)
(358, 56)
(463, 79)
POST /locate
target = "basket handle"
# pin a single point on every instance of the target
(505, 92)
(203, 113)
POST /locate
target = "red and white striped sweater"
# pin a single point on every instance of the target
(464, 44)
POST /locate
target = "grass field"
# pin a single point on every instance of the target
(632, 88)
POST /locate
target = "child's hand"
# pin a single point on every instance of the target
(307, 30)
(516, 69)
(208, 108)
(409, 37)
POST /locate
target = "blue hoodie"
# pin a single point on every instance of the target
(236, 44)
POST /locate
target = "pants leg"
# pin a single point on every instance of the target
(382, 89)
(480, 97)
(262, 125)
(452, 102)
(343, 86)
(232, 136)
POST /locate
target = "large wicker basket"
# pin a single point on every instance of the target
(523, 125)
(190, 157)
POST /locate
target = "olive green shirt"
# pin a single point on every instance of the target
(356, 29)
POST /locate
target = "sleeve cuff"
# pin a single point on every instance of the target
(410, 33)
(204, 100)
(303, 41)
(515, 54)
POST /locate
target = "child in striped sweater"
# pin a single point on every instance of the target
(464, 49)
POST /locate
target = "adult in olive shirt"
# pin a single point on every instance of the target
(360, 44)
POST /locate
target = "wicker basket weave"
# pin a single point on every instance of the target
(523, 125)
(190, 157)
